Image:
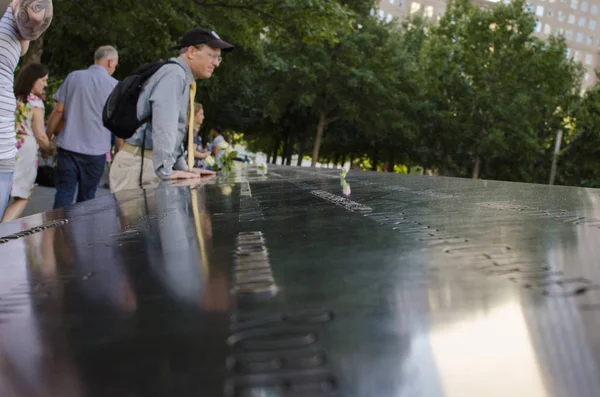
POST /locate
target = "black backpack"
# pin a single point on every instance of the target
(120, 110)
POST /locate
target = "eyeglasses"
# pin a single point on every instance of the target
(215, 57)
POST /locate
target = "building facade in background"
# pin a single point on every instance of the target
(577, 20)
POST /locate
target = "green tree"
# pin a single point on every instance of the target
(579, 162)
(360, 79)
(496, 89)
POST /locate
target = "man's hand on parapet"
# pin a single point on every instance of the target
(203, 172)
(190, 182)
(176, 175)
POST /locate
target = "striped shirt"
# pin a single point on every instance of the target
(10, 51)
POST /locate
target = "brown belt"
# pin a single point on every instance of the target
(136, 150)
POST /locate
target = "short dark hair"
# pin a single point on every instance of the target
(218, 129)
(27, 78)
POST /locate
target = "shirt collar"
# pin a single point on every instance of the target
(189, 76)
(99, 68)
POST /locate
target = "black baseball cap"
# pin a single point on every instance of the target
(199, 36)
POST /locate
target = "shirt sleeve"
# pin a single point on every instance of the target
(165, 100)
(36, 103)
(61, 93)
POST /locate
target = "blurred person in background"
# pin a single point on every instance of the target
(31, 135)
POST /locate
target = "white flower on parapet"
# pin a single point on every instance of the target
(262, 168)
(345, 170)
(210, 161)
(346, 189)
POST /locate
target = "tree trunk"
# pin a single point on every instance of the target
(374, 160)
(275, 149)
(301, 149)
(320, 128)
(4, 5)
(290, 150)
(34, 54)
(391, 161)
(477, 167)
(286, 147)
(336, 160)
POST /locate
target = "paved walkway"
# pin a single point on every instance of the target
(43, 198)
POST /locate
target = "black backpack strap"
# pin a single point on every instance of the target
(150, 72)
(143, 156)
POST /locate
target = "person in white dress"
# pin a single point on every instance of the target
(31, 135)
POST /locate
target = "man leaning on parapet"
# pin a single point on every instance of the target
(24, 20)
(165, 99)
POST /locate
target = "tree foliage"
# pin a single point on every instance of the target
(475, 94)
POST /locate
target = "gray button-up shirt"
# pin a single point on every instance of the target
(84, 93)
(166, 95)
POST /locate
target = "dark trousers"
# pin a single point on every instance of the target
(77, 172)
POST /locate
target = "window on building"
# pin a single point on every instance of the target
(589, 40)
(594, 9)
(576, 55)
(539, 11)
(561, 16)
(381, 14)
(415, 7)
(586, 76)
(372, 12)
(574, 4)
(564, 1)
(582, 22)
(389, 18)
(571, 19)
(547, 29)
(588, 59)
(568, 54)
(391, 1)
(561, 31)
(579, 37)
(400, 3)
(538, 26)
(429, 12)
(569, 35)
(550, 1)
(549, 13)
(592, 24)
(584, 6)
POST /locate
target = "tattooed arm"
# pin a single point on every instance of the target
(33, 18)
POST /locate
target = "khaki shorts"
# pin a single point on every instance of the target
(125, 172)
